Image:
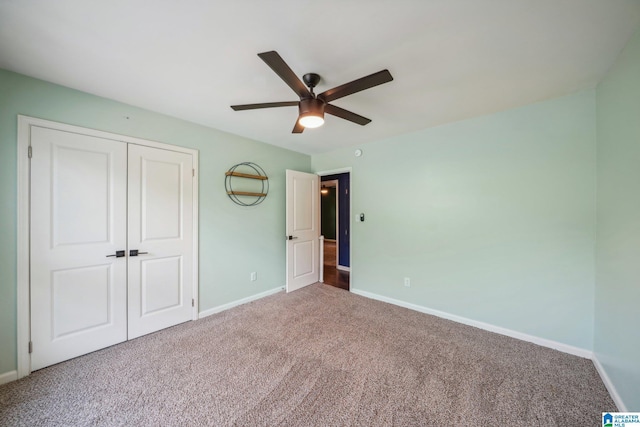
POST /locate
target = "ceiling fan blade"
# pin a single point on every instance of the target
(281, 68)
(298, 128)
(264, 105)
(361, 84)
(346, 114)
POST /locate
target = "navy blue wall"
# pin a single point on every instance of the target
(344, 212)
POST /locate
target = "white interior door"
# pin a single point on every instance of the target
(78, 219)
(161, 230)
(303, 229)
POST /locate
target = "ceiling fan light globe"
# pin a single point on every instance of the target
(311, 121)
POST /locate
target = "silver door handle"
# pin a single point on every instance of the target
(118, 254)
(291, 237)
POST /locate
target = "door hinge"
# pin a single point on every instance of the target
(30, 347)
(193, 302)
(29, 152)
(193, 172)
(346, 191)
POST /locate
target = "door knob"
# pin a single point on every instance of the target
(118, 254)
(135, 252)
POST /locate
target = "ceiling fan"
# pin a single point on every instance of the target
(312, 107)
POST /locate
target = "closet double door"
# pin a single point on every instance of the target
(111, 242)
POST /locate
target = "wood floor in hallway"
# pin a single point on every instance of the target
(333, 276)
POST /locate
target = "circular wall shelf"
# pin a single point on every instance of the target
(246, 170)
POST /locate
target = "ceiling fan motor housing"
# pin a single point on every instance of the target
(311, 107)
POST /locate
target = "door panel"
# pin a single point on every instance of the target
(80, 174)
(161, 193)
(78, 217)
(303, 203)
(86, 289)
(302, 224)
(160, 224)
(161, 284)
(303, 256)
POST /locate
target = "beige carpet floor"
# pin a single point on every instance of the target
(316, 357)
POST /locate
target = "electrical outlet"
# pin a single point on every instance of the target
(407, 282)
(254, 276)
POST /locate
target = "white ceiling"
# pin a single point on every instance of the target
(451, 59)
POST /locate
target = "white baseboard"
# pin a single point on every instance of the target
(343, 268)
(236, 303)
(565, 348)
(7, 377)
(609, 385)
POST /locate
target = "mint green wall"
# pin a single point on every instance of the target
(617, 310)
(234, 240)
(492, 218)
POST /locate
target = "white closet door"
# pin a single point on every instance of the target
(161, 229)
(78, 218)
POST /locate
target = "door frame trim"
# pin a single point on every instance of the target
(337, 194)
(23, 316)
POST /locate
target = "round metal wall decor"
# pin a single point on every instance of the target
(242, 191)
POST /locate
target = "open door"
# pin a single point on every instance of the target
(303, 229)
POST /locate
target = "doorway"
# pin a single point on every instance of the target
(335, 201)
